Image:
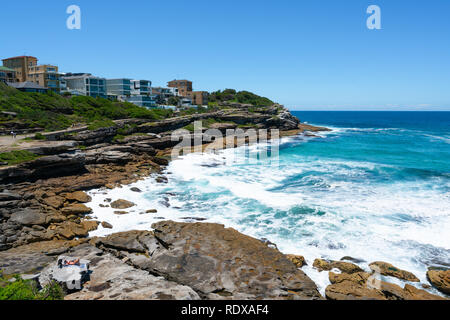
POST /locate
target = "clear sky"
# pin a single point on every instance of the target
(315, 54)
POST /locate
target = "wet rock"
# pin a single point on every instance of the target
(76, 209)
(151, 211)
(327, 265)
(120, 213)
(388, 269)
(122, 204)
(134, 189)
(106, 225)
(363, 286)
(79, 196)
(351, 259)
(440, 279)
(299, 261)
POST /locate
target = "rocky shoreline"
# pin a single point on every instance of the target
(43, 214)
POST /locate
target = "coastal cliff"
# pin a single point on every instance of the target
(43, 214)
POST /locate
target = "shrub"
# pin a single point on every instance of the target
(16, 157)
(21, 289)
(39, 136)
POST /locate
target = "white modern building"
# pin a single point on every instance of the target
(85, 84)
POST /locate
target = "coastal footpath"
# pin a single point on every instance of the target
(43, 215)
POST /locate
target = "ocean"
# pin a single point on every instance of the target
(376, 187)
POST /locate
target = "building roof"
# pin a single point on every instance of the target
(26, 85)
(19, 57)
(6, 69)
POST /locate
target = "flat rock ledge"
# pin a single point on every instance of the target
(183, 261)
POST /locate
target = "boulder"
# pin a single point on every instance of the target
(122, 204)
(299, 261)
(440, 279)
(69, 230)
(134, 189)
(79, 196)
(106, 225)
(327, 265)
(120, 213)
(387, 269)
(76, 209)
(361, 286)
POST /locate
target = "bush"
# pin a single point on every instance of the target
(28, 290)
(51, 111)
(39, 136)
(16, 157)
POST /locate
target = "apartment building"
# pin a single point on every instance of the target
(45, 75)
(85, 84)
(27, 70)
(7, 75)
(20, 66)
(118, 87)
(141, 101)
(141, 87)
(184, 86)
(28, 86)
(198, 97)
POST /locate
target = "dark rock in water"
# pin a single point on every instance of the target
(160, 161)
(134, 189)
(194, 219)
(299, 261)
(122, 204)
(440, 279)
(106, 225)
(388, 269)
(354, 260)
(361, 286)
(161, 179)
(120, 213)
(327, 265)
(151, 211)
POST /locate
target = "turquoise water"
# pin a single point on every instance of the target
(377, 187)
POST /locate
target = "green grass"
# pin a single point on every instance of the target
(118, 137)
(27, 290)
(16, 157)
(99, 124)
(51, 111)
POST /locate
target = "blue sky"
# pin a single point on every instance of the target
(308, 55)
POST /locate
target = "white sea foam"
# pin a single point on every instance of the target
(404, 222)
